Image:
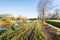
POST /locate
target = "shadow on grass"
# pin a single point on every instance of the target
(56, 24)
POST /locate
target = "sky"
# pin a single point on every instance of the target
(26, 8)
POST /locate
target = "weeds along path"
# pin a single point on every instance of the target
(9, 36)
(17, 32)
(50, 32)
(37, 33)
(24, 34)
(32, 31)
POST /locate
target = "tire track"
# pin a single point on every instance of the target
(50, 32)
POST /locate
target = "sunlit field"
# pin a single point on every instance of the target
(29, 19)
(32, 30)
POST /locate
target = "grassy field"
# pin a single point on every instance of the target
(56, 25)
(29, 31)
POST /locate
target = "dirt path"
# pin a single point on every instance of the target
(50, 32)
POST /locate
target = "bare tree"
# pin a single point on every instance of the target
(48, 16)
(43, 7)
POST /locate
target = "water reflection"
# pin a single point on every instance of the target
(2, 28)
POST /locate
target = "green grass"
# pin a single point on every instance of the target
(58, 29)
(38, 34)
(54, 20)
(56, 24)
(22, 29)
